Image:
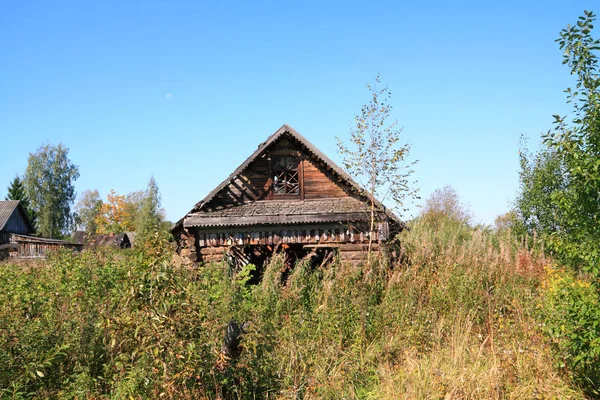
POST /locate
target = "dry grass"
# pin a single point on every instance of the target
(457, 319)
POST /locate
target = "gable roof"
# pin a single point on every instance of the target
(290, 133)
(283, 212)
(7, 208)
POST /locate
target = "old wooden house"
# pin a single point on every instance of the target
(16, 232)
(287, 195)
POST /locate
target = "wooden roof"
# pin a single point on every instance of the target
(7, 208)
(80, 237)
(16, 237)
(102, 240)
(252, 211)
(283, 212)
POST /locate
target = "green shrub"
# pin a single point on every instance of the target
(571, 307)
(457, 319)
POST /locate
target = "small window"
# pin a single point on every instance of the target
(286, 180)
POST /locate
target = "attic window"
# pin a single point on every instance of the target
(286, 178)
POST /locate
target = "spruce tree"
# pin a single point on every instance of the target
(16, 191)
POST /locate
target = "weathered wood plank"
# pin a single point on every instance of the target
(212, 250)
(198, 221)
(353, 255)
(351, 247)
(317, 184)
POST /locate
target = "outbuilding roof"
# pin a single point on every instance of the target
(7, 208)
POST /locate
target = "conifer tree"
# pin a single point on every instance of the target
(16, 191)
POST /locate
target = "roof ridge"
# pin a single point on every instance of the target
(285, 128)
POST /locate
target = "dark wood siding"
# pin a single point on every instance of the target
(16, 223)
(318, 185)
(255, 183)
(35, 247)
(4, 237)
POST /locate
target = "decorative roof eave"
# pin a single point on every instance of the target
(297, 137)
(197, 221)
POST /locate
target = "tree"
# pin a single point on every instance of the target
(560, 198)
(374, 156)
(508, 223)
(151, 215)
(116, 215)
(577, 144)
(49, 185)
(16, 191)
(445, 203)
(133, 204)
(542, 175)
(87, 210)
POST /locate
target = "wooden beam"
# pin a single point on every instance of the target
(198, 221)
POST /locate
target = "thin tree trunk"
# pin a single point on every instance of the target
(372, 224)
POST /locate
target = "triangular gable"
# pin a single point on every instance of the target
(8, 208)
(351, 186)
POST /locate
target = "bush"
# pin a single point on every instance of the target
(571, 307)
(456, 320)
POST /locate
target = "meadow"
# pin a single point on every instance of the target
(461, 314)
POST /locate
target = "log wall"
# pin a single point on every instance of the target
(354, 253)
(188, 245)
(34, 247)
(212, 254)
(357, 253)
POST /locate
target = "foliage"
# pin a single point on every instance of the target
(49, 183)
(87, 210)
(151, 215)
(571, 307)
(116, 215)
(541, 177)
(138, 211)
(560, 202)
(374, 155)
(577, 144)
(133, 204)
(509, 223)
(456, 320)
(16, 191)
(445, 203)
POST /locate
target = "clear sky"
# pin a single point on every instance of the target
(186, 90)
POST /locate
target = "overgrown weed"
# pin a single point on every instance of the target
(456, 320)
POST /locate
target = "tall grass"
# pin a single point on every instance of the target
(455, 319)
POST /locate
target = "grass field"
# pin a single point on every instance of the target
(459, 317)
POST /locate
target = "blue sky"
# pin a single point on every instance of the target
(185, 91)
